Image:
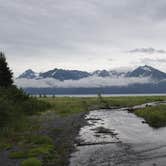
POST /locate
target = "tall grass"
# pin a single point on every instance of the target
(68, 105)
(154, 116)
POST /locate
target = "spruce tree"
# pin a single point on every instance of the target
(6, 75)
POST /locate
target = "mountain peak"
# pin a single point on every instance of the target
(101, 73)
(29, 74)
(29, 71)
(61, 74)
(147, 71)
(146, 68)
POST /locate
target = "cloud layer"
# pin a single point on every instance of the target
(80, 34)
(147, 51)
(85, 82)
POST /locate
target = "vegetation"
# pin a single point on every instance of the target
(33, 152)
(14, 102)
(154, 116)
(18, 124)
(15, 105)
(31, 162)
(5, 73)
(69, 105)
(129, 101)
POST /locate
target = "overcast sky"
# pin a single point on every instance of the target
(83, 34)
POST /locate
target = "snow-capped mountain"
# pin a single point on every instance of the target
(147, 71)
(58, 74)
(58, 81)
(108, 73)
(29, 74)
(101, 73)
(62, 75)
(144, 79)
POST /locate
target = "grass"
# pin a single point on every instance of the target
(154, 116)
(31, 162)
(39, 140)
(32, 152)
(33, 146)
(16, 112)
(20, 125)
(67, 106)
(70, 105)
(132, 100)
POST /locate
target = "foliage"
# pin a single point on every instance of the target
(6, 75)
(18, 120)
(15, 104)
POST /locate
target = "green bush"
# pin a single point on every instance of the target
(31, 162)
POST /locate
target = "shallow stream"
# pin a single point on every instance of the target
(119, 138)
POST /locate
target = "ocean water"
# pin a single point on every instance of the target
(109, 95)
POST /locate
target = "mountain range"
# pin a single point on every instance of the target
(143, 79)
(62, 75)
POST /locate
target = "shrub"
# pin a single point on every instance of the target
(14, 104)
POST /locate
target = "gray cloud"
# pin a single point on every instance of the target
(151, 60)
(147, 51)
(39, 33)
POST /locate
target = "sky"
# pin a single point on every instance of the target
(83, 34)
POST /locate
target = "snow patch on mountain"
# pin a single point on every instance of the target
(146, 68)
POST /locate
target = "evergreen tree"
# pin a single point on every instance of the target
(6, 75)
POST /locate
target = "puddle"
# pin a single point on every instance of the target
(123, 140)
